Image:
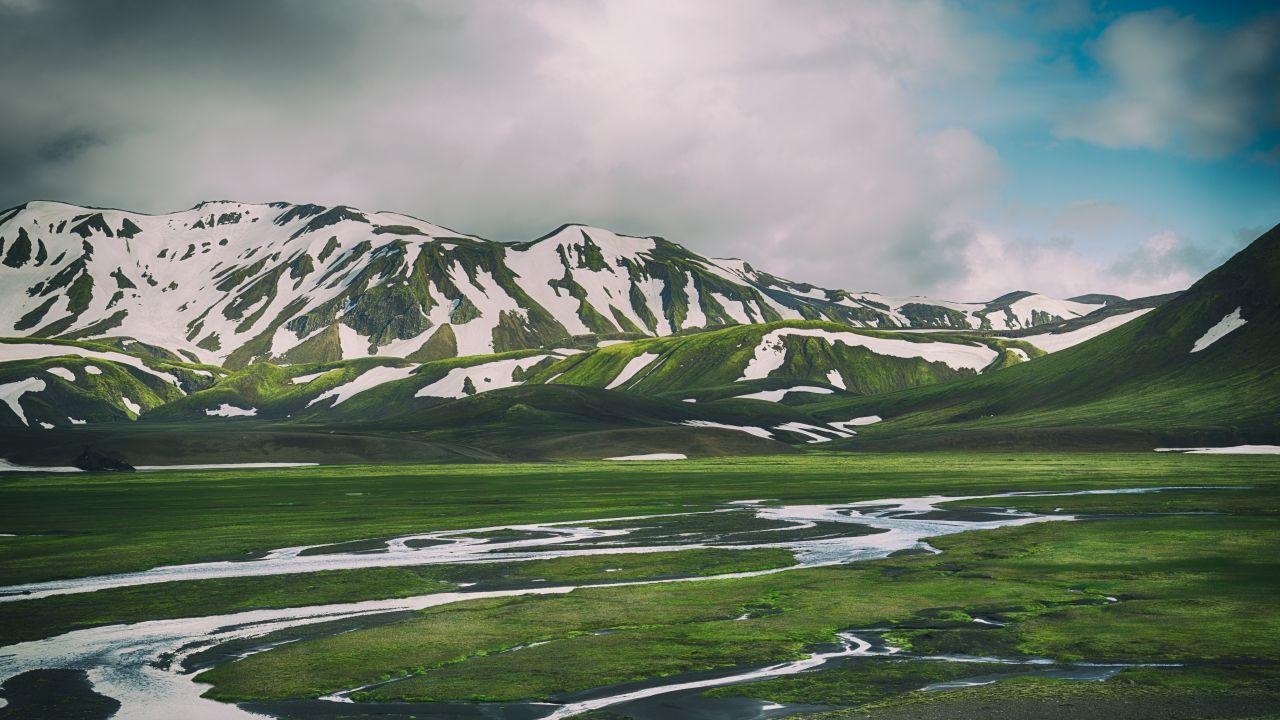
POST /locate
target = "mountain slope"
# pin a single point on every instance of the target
(778, 354)
(231, 283)
(58, 383)
(1199, 369)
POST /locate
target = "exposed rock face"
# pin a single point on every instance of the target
(94, 460)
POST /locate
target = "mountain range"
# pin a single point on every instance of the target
(304, 332)
(231, 283)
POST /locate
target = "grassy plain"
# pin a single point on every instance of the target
(89, 524)
(1196, 589)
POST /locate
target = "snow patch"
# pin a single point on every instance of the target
(635, 365)
(816, 433)
(93, 369)
(856, 422)
(63, 373)
(1232, 321)
(771, 353)
(228, 466)
(74, 421)
(1024, 309)
(834, 378)
(299, 380)
(694, 315)
(228, 410)
(484, 377)
(778, 395)
(734, 308)
(367, 380)
(1053, 342)
(353, 344)
(1235, 450)
(6, 466)
(11, 393)
(652, 456)
(134, 407)
(749, 429)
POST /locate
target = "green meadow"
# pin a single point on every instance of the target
(1187, 578)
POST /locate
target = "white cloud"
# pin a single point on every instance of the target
(1177, 83)
(788, 133)
(824, 140)
(989, 264)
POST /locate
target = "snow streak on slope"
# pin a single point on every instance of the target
(367, 380)
(778, 395)
(633, 366)
(1053, 342)
(748, 429)
(1231, 322)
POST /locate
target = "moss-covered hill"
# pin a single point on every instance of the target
(1155, 380)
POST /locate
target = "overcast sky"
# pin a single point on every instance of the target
(943, 148)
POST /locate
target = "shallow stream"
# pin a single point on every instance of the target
(148, 667)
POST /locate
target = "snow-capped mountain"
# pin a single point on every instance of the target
(230, 283)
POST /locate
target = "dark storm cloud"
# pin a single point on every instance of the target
(772, 127)
(794, 134)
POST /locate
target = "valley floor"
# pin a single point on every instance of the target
(650, 589)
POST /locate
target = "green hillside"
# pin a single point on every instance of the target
(66, 383)
(1137, 386)
(685, 365)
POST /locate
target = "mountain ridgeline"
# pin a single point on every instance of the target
(230, 284)
(304, 333)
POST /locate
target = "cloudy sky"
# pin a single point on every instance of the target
(952, 149)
